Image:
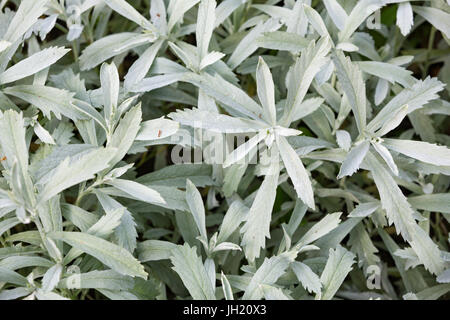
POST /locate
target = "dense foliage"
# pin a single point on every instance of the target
(235, 149)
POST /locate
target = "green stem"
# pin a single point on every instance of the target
(430, 47)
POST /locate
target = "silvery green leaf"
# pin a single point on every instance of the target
(316, 21)
(223, 246)
(415, 97)
(109, 79)
(364, 210)
(211, 272)
(104, 279)
(386, 155)
(427, 251)
(75, 31)
(210, 59)
(4, 45)
(381, 91)
(125, 133)
(158, 15)
(177, 9)
(205, 25)
(195, 203)
(266, 91)
(18, 262)
(397, 208)
(105, 226)
(113, 256)
(176, 175)
(360, 12)
(432, 293)
(405, 18)
(43, 134)
(33, 64)
(157, 129)
(85, 168)
(274, 293)
(216, 122)
(309, 280)
(281, 40)
(393, 122)
(444, 277)
(110, 46)
(12, 139)
(347, 47)
(225, 9)
(13, 294)
(42, 295)
(422, 151)
(79, 217)
(226, 93)
(351, 80)
(141, 66)
(338, 265)
(7, 224)
(302, 74)
(389, 72)
(137, 191)
(234, 216)
(50, 215)
(247, 148)
(153, 250)
(438, 18)
(354, 159)
(125, 9)
(43, 169)
(438, 202)
(9, 276)
(257, 225)
(249, 43)
(362, 245)
(226, 287)
(279, 12)
(323, 227)
(297, 172)
(51, 278)
(344, 140)
(125, 232)
(27, 14)
(268, 273)
(102, 228)
(192, 272)
(156, 82)
(336, 12)
(58, 101)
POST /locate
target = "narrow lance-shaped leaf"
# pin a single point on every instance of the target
(195, 203)
(109, 79)
(205, 25)
(257, 225)
(266, 91)
(113, 256)
(353, 159)
(192, 272)
(351, 80)
(302, 74)
(423, 151)
(397, 208)
(69, 173)
(32, 64)
(296, 172)
(126, 10)
(339, 264)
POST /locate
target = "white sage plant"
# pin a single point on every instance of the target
(234, 149)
